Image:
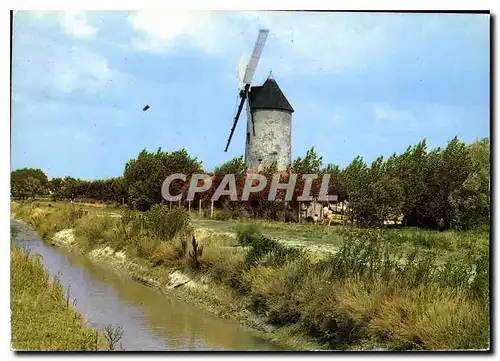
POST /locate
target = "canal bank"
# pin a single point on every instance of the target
(151, 320)
(340, 302)
(42, 316)
(111, 289)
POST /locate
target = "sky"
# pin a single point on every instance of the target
(365, 84)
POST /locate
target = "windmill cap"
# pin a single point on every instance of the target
(269, 96)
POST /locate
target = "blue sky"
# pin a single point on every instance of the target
(361, 84)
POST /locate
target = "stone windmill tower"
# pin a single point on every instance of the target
(269, 117)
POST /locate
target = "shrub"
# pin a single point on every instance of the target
(226, 266)
(247, 232)
(169, 252)
(131, 223)
(93, 231)
(367, 257)
(144, 247)
(273, 291)
(164, 223)
(231, 210)
(263, 249)
(222, 214)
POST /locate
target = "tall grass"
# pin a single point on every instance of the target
(374, 289)
(40, 316)
(47, 220)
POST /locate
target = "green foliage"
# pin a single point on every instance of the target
(247, 232)
(103, 190)
(470, 201)
(337, 183)
(94, 231)
(164, 223)
(233, 166)
(443, 188)
(48, 221)
(144, 176)
(28, 183)
(310, 164)
(372, 290)
(41, 319)
(268, 252)
(263, 250)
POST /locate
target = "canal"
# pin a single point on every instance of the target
(150, 319)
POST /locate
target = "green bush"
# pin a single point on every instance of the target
(246, 233)
(93, 231)
(222, 215)
(131, 218)
(269, 252)
(364, 255)
(164, 223)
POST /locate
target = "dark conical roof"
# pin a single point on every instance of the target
(269, 96)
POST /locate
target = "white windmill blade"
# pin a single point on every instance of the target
(240, 72)
(254, 60)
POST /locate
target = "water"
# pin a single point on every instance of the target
(150, 319)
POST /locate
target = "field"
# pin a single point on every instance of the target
(407, 289)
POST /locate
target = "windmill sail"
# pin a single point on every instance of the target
(244, 84)
(240, 73)
(254, 60)
(238, 112)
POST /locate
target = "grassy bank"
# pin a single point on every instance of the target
(392, 289)
(41, 317)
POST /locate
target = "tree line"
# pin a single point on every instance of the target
(443, 187)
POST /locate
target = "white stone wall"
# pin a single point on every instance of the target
(272, 140)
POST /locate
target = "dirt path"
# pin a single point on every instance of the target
(316, 239)
(309, 238)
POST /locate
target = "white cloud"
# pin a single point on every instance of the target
(299, 42)
(74, 24)
(162, 31)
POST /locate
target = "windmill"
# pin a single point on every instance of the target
(245, 75)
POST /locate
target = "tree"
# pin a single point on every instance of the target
(410, 169)
(386, 191)
(470, 201)
(234, 166)
(143, 177)
(55, 185)
(28, 182)
(445, 170)
(356, 180)
(337, 184)
(310, 164)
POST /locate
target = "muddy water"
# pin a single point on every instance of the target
(150, 319)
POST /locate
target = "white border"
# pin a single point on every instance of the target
(185, 4)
